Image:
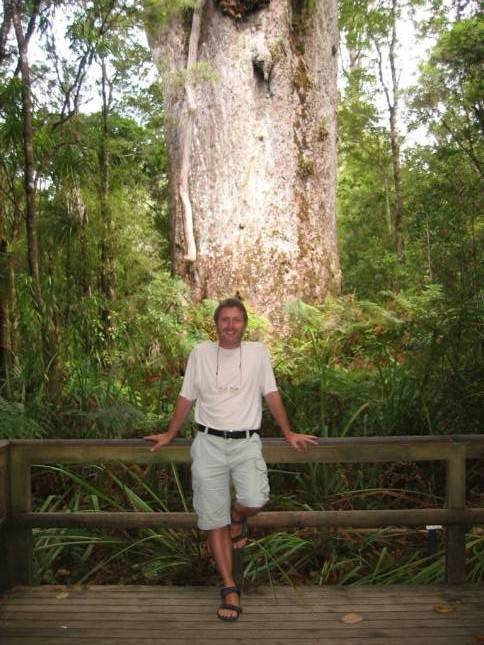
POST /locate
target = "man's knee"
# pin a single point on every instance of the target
(254, 495)
(245, 509)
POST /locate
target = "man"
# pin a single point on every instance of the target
(227, 379)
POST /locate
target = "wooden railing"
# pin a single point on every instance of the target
(17, 518)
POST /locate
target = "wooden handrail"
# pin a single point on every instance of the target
(264, 520)
(337, 450)
(17, 457)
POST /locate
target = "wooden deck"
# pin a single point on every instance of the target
(148, 615)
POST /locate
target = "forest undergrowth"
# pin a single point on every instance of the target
(408, 365)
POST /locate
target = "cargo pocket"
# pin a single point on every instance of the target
(261, 468)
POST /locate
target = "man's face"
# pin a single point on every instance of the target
(230, 327)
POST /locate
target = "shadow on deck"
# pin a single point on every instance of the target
(163, 615)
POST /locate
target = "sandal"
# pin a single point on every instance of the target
(244, 531)
(224, 592)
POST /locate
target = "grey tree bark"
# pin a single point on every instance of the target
(262, 172)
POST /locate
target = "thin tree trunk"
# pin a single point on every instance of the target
(388, 209)
(5, 341)
(80, 208)
(29, 161)
(397, 180)
(107, 273)
(5, 28)
(429, 253)
(392, 99)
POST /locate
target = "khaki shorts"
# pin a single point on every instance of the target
(218, 462)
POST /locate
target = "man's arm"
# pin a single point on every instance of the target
(278, 411)
(180, 413)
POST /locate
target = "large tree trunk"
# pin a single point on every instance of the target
(262, 158)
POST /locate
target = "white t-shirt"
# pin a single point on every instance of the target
(228, 384)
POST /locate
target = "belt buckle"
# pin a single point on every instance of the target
(226, 434)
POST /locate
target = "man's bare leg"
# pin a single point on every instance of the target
(220, 544)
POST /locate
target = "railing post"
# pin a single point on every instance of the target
(456, 499)
(4, 500)
(18, 541)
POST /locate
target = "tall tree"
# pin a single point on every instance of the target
(449, 98)
(22, 38)
(251, 134)
(370, 33)
(383, 32)
(5, 341)
(106, 267)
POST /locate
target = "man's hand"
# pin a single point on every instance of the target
(160, 440)
(180, 413)
(300, 441)
(297, 441)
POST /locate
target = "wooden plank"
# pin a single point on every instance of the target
(407, 593)
(241, 640)
(161, 640)
(176, 640)
(241, 628)
(176, 605)
(416, 600)
(422, 610)
(264, 520)
(292, 605)
(456, 499)
(177, 610)
(278, 605)
(134, 607)
(18, 541)
(343, 450)
(191, 616)
(96, 626)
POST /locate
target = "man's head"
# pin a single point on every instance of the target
(231, 321)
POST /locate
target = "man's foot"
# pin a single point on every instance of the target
(238, 531)
(230, 608)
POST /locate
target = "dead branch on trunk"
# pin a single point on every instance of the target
(186, 136)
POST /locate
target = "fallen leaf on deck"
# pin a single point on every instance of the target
(62, 595)
(351, 619)
(479, 638)
(443, 609)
